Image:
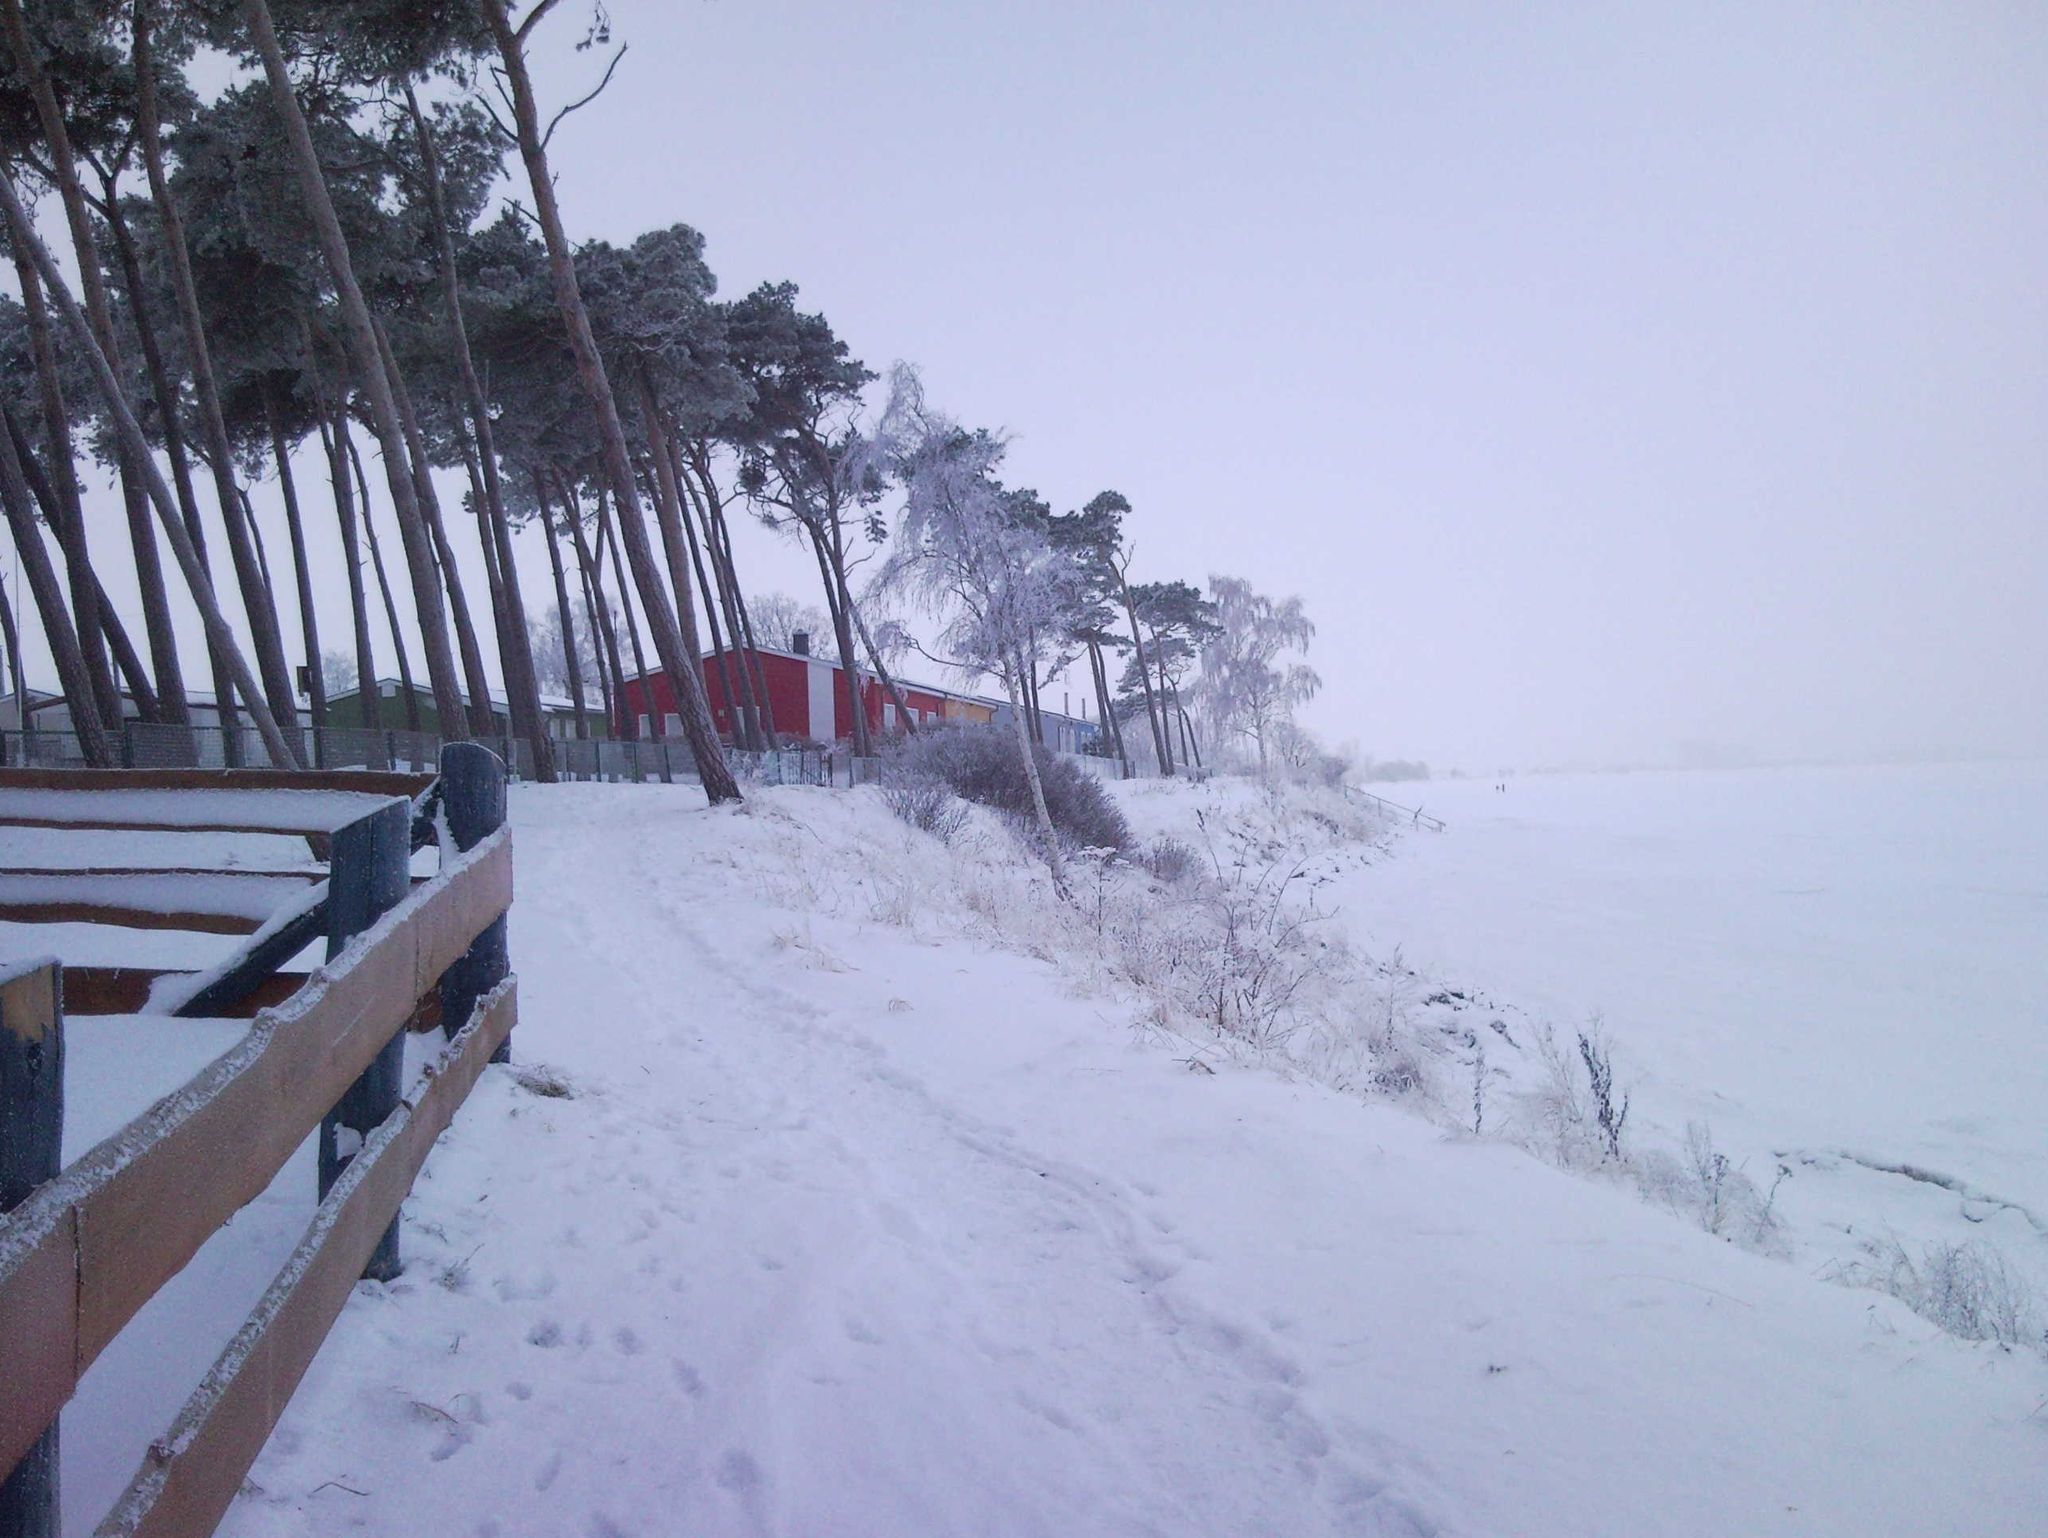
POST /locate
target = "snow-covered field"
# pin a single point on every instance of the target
(820, 1205)
(1825, 966)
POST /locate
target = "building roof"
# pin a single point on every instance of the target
(498, 697)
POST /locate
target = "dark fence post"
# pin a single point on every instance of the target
(473, 800)
(31, 1152)
(368, 873)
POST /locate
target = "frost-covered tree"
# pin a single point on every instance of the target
(1249, 685)
(778, 617)
(337, 670)
(556, 643)
(972, 553)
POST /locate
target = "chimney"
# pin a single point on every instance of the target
(800, 642)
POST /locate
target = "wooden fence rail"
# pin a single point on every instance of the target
(84, 1248)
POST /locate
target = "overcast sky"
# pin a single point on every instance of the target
(1615, 383)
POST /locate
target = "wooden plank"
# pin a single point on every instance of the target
(372, 781)
(31, 1152)
(192, 1473)
(117, 916)
(92, 991)
(228, 981)
(127, 1216)
(305, 876)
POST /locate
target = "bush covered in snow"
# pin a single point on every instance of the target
(985, 766)
(1967, 1289)
(928, 805)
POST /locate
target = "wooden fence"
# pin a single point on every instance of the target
(84, 1247)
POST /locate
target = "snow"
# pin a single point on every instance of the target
(1835, 968)
(241, 895)
(297, 811)
(800, 1220)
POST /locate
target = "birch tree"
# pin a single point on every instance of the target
(968, 555)
(1251, 680)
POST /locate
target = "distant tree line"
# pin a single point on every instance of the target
(312, 255)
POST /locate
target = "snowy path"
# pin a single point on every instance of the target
(842, 1233)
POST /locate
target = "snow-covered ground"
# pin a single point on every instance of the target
(811, 1211)
(1825, 966)
(846, 1227)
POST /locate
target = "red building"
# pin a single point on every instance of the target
(808, 698)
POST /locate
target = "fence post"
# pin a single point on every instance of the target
(31, 1152)
(473, 800)
(368, 872)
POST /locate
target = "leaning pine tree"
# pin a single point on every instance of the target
(615, 457)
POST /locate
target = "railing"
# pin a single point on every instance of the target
(85, 1246)
(1393, 811)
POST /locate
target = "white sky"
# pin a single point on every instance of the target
(1619, 384)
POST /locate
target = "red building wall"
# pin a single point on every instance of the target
(789, 698)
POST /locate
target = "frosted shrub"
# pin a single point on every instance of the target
(1609, 1117)
(926, 805)
(1966, 1289)
(1170, 860)
(985, 765)
(1706, 1185)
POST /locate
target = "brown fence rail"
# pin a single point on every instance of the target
(84, 1247)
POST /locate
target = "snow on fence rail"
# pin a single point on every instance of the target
(84, 1247)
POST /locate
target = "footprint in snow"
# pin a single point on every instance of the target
(738, 1472)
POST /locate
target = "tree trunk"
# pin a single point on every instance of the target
(669, 519)
(149, 572)
(572, 664)
(719, 537)
(738, 688)
(362, 338)
(334, 440)
(482, 721)
(283, 752)
(302, 571)
(127, 661)
(1159, 652)
(611, 677)
(494, 579)
(1054, 860)
(258, 601)
(685, 673)
(1105, 711)
(10, 637)
(1191, 744)
(65, 652)
(1145, 676)
(842, 635)
(881, 668)
(70, 529)
(641, 672)
(166, 393)
(405, 683)
(515, 651)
